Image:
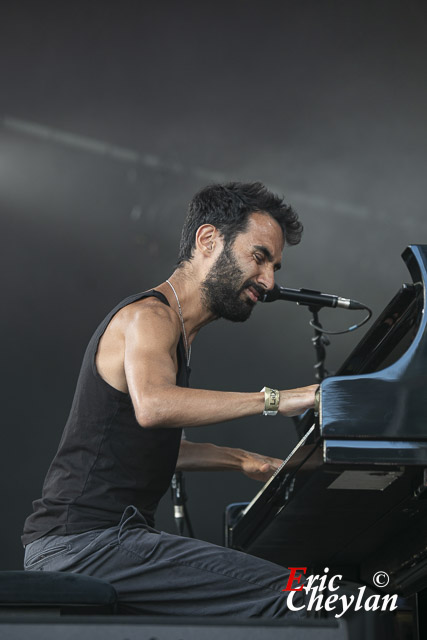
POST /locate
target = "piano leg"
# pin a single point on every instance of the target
(421, 615)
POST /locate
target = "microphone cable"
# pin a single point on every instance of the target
(350, 329)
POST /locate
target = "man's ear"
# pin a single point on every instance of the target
(207, 237)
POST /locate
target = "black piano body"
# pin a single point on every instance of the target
(352, 495)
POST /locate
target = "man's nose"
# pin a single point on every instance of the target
(266, 278)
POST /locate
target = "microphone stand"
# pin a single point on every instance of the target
(320, 341)
(179, 498)
(315, 300)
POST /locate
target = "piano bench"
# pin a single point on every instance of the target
(54, 593)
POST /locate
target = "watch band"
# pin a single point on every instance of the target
(271, 401)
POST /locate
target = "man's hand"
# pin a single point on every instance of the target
(296, 401)
(259, 467)
(204, 456)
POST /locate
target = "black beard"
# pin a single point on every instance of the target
(222, 289)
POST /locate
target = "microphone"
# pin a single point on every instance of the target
(309, 297)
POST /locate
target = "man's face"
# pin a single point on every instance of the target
(245, 270)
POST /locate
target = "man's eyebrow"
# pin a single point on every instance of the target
(267, 253)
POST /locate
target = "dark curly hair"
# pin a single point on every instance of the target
(228, 206)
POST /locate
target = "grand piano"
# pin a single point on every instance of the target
(352, 495)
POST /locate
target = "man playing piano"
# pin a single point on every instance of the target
(122, 441)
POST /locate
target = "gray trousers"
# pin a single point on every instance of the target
(158, 573)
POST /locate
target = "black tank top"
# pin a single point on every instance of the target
(105, 460)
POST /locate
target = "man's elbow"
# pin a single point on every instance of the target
(147, 418)
(153, 410)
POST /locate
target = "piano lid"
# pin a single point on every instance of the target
(390, 402)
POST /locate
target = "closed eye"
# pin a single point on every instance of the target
(263, 254)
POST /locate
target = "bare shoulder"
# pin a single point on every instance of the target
(149, 315)
(138, 329)
(148, 309)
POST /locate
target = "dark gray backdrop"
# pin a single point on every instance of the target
(114, 113)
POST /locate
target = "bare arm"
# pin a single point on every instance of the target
(204, 456)
(151, 337)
